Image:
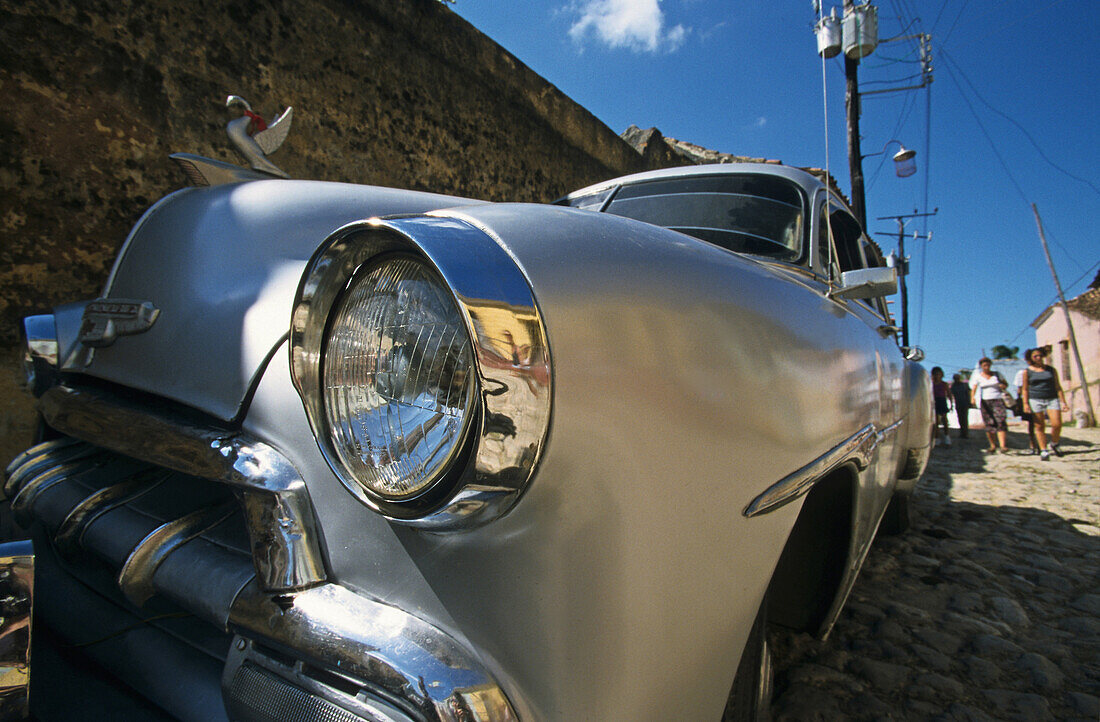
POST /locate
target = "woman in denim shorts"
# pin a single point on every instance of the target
(1043, 399)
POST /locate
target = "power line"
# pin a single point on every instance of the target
(938, 16)
(1054, 300)
(978, 120)
(893, 61)
(957, 17)
(1021, 128)
(1018, 19)
(952, 64)
(906, 79)
(906, 109)
(927, 180)
(919, 45)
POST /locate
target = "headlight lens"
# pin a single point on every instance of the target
(398, 378)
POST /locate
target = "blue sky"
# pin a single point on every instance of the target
(1010, 119)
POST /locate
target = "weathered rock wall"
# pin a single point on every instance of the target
(96, 94)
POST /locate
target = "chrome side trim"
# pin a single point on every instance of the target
(41, 457)
(16, 606)
(511, 351)
(136, 577)
(858, 447)
(408, 661)
(282, 526)
(889, 431)
(71, 532)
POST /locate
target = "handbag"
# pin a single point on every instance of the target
(1010, 403)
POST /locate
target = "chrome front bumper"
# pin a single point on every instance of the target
(303, 647)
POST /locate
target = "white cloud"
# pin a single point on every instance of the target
(761, 122)
(635, 24)
(712, 30)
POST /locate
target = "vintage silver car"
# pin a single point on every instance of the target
(337, 452)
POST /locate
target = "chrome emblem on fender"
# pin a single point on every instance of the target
(105, 320)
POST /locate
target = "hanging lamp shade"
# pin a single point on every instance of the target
(904, 163)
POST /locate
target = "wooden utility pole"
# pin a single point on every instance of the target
(1069, 322)
(903, 269)
(855, 154)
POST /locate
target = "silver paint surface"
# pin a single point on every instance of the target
(222, 264)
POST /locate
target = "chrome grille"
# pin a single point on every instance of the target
(265, 698)
(257, 686)
(100, 506)
(220, 524)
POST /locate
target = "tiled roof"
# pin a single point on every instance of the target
(1087, 304)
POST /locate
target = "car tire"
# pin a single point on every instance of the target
(751, 695)
(896, 518)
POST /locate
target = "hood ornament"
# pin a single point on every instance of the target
(254, 138)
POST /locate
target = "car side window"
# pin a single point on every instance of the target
(751, 213)
(589, 202)
(839, 241)
(842, 246)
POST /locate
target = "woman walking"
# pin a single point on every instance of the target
(1044, 399)
(1018, 407)
(961, 393)
(987, 392)
(940, 392)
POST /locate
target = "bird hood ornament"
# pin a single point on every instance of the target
(254, 138)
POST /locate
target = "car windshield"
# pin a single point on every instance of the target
(758, 214)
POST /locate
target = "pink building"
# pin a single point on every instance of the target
(1052, 332)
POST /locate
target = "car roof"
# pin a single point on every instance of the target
(808, 181)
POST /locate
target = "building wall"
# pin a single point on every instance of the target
(1054, 332)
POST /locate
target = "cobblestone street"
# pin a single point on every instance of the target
(988, 608)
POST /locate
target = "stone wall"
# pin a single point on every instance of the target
(96, 94)
(406, 94)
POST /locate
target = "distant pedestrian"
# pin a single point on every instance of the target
(987, 392)
(960, 390)
(1018, 408)
(1044, 399)
(940, 392)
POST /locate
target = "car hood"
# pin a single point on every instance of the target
(221, 265)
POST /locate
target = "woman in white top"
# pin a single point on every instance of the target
(987, 392)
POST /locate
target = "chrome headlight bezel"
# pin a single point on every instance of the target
(509, 419)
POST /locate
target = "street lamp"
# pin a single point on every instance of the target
(904, 165)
